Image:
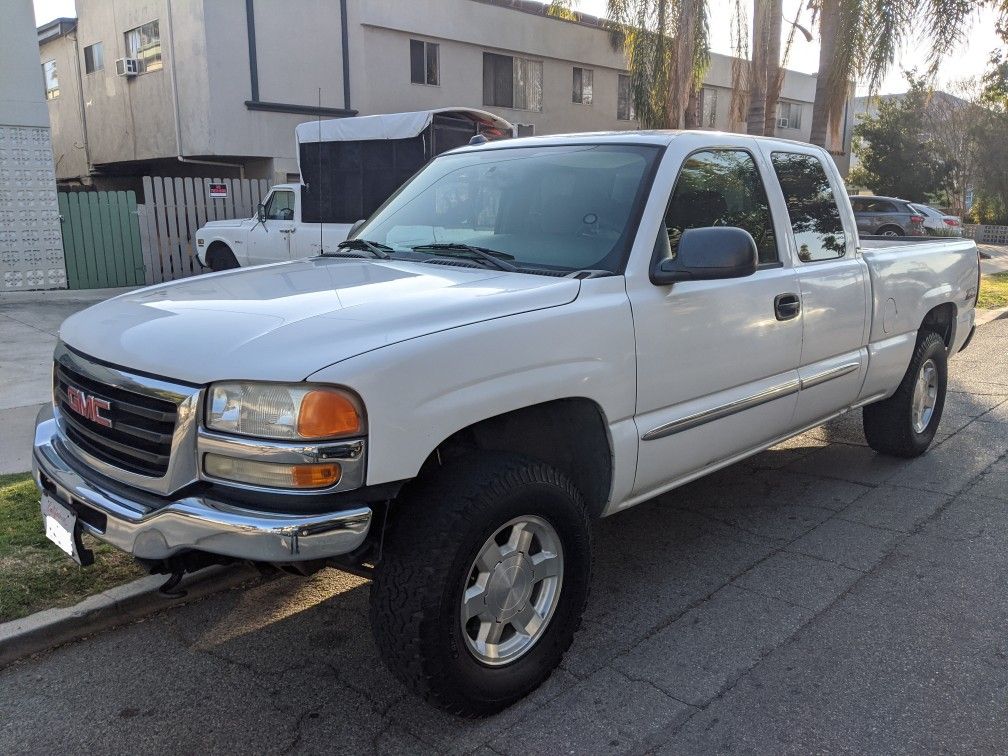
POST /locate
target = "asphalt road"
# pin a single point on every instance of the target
(815, 598)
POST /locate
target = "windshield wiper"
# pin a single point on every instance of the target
(494, 258)
(375, 249)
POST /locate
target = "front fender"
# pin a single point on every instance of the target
(419, 392)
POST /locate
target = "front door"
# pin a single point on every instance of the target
(716, 360)
(270, 241)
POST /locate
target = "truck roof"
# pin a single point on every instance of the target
(644, 136)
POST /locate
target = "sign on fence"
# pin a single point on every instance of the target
(174, 208)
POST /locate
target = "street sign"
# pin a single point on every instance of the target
(218, 191)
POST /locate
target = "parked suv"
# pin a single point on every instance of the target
(887, 216)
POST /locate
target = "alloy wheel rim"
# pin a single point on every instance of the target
(925, 396)
(512, 590)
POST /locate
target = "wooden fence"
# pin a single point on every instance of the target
(174, 208)
(101, 239)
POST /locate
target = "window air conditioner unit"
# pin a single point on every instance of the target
(127, 67)
(782, 123)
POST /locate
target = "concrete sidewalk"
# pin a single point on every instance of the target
(29, 324)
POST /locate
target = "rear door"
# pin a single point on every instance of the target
(716, 363)
(833, 280)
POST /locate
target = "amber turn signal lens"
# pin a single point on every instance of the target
(315, 476)
(327, 414)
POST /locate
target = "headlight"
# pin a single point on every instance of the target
(294, 412)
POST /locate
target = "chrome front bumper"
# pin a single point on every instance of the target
(190, 523)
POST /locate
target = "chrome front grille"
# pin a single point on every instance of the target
(143, 432)
(138, 437)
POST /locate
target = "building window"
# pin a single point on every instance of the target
(708, 107)
(94, 58)
(510, 82)
(624, 100)
(582, 89)
(144, 44)
(425, 67)
(51, 82)
(789, 115)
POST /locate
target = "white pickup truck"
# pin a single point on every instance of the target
(532, 334)
(276, 233)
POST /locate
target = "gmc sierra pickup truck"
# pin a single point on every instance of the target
(529, 335)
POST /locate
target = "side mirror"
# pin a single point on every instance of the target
(706, 254)
(356, 227)
(261, 213)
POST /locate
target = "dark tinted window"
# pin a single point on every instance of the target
(498, 80)
(812, 207)
(721, 188)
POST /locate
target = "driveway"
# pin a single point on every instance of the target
(815, 598)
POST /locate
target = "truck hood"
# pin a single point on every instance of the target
(232, 223)
(285, 321)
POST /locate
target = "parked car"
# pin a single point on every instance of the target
(887, 216)
(349, 167)
(937, 223)
(530, 335)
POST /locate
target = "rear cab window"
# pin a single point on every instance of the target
(812, 207)
(719, 187)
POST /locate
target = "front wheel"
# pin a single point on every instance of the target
(904, 425)
(482, 582)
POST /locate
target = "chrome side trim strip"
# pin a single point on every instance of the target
(829, 374)
(716, 413)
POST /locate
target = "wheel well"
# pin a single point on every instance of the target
(941, 320)
(215, 246)
(569, 434)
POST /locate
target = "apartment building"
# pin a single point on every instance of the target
(218, 86)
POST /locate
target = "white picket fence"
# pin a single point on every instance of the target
(172, 211)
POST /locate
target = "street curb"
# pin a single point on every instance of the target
(986, 316)
(48, 629)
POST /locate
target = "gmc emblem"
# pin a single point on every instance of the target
(88, 406)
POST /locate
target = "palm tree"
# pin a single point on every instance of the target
(756, 114)
(859, 40)
(667, 49)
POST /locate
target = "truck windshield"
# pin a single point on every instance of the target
(561, 208)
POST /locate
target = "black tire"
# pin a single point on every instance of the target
(220, 257)
(890, 231)
(427, 554)
(889, 424)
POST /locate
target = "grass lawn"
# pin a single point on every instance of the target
(34, 574)
(993, 291)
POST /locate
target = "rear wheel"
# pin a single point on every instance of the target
(891, 231)
(904, 425)
(220, 257)
(482, 582)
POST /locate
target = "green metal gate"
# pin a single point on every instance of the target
(101, 239)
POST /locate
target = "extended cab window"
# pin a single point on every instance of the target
(811, 205)
(721, 188)
(281, 206)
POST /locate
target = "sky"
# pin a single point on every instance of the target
(970, 59)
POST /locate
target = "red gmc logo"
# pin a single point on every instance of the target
(88, 406)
